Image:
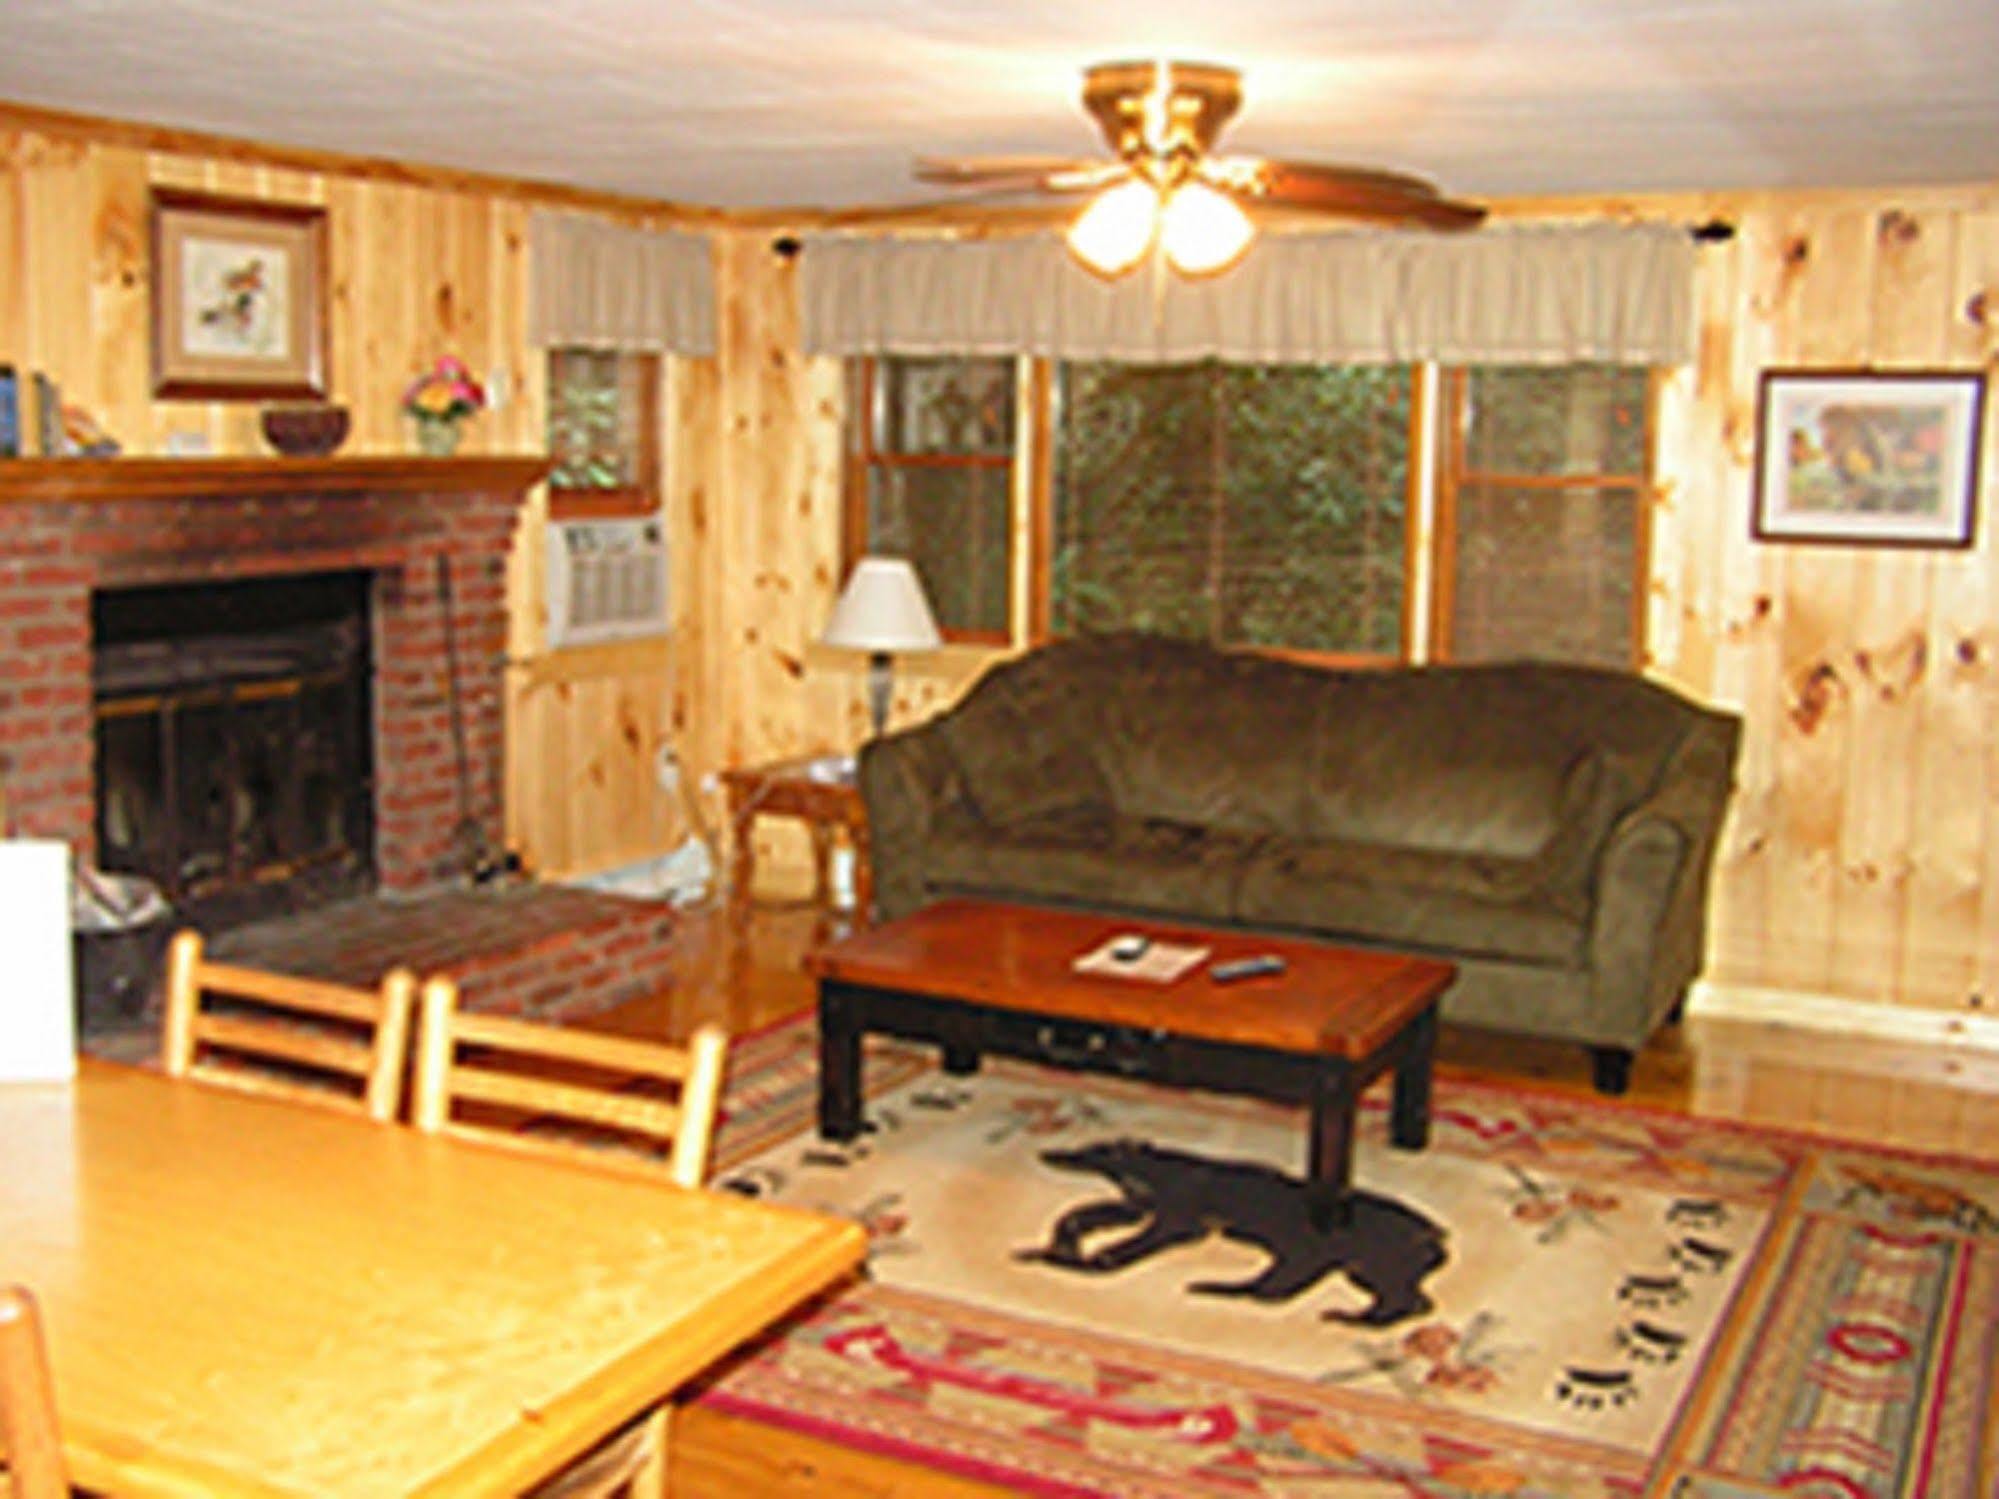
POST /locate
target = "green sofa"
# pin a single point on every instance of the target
(1548, 828)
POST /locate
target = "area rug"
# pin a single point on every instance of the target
(1084, 1286)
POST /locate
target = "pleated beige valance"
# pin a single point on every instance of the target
(595, 284)
(1530, 294)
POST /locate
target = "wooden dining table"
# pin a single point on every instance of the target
(246, 1296)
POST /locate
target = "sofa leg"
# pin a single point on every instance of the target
(1612, 1068)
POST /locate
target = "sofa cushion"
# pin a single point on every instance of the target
(1186, 734)
(1430, 901)
(1091, 859)
(1019, 768)
(1398, 766)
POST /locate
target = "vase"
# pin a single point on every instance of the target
(436, 437)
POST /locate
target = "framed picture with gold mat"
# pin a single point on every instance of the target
(239, 298)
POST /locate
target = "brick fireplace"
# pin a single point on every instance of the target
(134, 523)
(425, 536)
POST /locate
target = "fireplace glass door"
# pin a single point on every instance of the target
(234, 752)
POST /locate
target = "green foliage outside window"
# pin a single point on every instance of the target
(1241, 504)
(586, 421)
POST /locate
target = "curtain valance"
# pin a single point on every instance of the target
(1526, 294)
(596, 284)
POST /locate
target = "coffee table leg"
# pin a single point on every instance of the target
(839, 1065)
(960, 1060)
(1409, 1116)
(1330, 1173)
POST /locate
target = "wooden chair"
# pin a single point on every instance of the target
(287, 1036)
(31, 1461)
(577, 1094)
(554, 1088)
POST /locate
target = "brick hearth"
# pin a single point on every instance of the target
(537, 950)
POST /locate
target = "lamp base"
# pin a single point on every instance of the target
(880, 684)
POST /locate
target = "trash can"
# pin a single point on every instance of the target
(120, 925)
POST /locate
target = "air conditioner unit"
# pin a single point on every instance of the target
(606, 581)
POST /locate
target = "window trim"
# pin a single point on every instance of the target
(1435, 475)
(1453, 477)
(635, 501)
(859, 459)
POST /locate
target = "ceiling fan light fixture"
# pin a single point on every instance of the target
(1112, 235)
(1203, 232)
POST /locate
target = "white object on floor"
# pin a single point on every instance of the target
(38, 999)
(683, 876)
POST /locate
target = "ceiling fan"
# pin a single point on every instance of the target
(1167, 187)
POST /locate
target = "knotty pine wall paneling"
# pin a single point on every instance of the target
(1863, 850)
(419, 264)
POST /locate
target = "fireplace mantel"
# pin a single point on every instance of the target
(43, 479)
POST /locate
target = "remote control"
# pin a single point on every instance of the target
(1130, 948)
(1246, 968)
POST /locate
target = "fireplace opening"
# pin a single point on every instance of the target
(234, 747)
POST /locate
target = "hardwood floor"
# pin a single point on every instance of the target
(1928, 1098)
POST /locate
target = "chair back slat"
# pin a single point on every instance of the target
(628, 1112)
(287, 1036)
(523, 1083)
(618, 1053)
(30, 1436)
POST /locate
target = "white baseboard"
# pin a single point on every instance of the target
(1848, 1017)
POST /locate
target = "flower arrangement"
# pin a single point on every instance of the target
(445, 392)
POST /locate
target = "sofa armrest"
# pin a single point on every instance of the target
(906, 780)
(1649, 911)
(1643, 862)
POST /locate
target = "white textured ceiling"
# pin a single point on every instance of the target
(805, 103)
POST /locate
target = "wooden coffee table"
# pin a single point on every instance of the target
(979, 976)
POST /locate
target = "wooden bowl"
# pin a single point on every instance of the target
(305, 431)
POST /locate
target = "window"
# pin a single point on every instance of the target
(1542, 509)
(1238, 504)
(603, 433)
(1266, 506)
(930, 478)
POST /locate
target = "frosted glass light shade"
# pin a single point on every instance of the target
(1114, 232)
(883, 608)
(1204, 232)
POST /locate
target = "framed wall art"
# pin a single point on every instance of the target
(1884, 458)
(239, 298)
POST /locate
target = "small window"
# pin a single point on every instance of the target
(1543, 508)
(930, 478)
(1243, 505)
(603, 433)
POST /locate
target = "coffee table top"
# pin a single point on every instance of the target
(1336, 1001)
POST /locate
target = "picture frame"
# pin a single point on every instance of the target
(239, 298)
(1868, 457)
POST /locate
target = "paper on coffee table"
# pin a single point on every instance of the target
(1161, 963)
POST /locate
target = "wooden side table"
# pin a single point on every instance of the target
(821, 792)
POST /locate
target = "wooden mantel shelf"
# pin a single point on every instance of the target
(193, 478)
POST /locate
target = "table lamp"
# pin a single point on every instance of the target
(882, 610)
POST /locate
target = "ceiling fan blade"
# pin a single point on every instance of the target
(1019, 173)
(995, 209)
(1352, 192)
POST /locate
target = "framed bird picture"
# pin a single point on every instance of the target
(1875, 457)
(239, 298)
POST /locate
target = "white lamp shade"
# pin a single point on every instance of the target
(883, 608)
